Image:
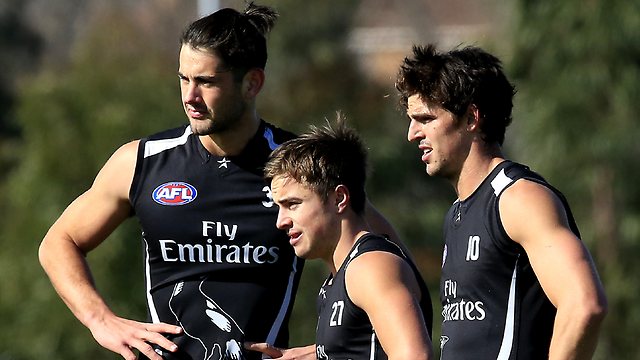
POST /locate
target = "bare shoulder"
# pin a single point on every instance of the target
(528, 207)
(375, 273)
(374, 262)
(524, 189)
(117, 172)
(125, 155)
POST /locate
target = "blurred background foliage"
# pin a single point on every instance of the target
(80, 78)
(577, 64)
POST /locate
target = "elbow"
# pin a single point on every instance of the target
(599, 305)
(427, 355)
(49, 250)
(594, 310)
(599, 309)
(42, 253)
(582, 313)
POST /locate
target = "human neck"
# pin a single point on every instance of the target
(475, 169)
(232, 141)
(351, 231)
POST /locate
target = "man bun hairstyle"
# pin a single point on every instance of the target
(238, 38)
(263, 18)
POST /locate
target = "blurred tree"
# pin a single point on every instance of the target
(577, 64)
(117, 87)
(20, 49)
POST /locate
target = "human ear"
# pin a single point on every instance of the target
(252, 83)
(473, 117)
(341, 198)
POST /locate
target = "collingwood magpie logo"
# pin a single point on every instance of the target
(221, 338)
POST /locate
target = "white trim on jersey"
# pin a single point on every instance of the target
(147, 271)
(372, 352)
(509, 327)
(277, 324)
(500, 182)
(154, 147)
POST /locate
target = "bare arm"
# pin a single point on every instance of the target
(298, 353)
(562, 264)
(84, 225)
(384, 286)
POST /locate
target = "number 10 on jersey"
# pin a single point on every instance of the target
(473, 248)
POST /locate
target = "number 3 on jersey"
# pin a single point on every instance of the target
(267, 191)
(336, 314)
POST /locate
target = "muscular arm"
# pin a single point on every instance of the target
(384, 286)
(534, 217)
(84, 225)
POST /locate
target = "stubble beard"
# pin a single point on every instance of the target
(434, 169)
(205, 127)
(210, 126)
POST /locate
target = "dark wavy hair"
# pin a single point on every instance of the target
(457, 79)
(239, 39)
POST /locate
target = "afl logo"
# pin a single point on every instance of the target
(174, 193)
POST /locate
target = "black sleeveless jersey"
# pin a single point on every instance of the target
(344, 330)
(215, 263)
(493, 304)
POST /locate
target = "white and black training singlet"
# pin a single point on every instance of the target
(493, 304)
(344, 330)
(215, 263)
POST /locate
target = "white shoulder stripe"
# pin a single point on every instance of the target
(354, 252)
(500, 182)
(154, 147)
